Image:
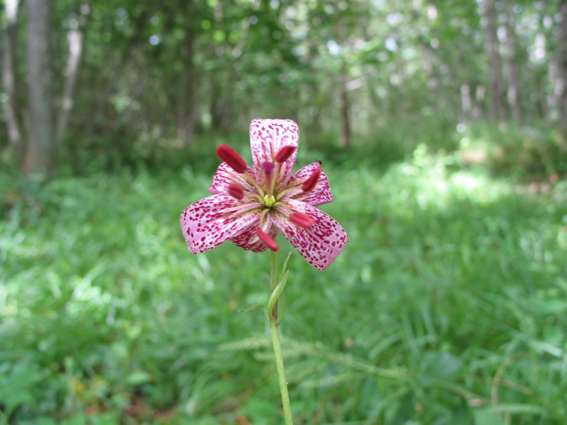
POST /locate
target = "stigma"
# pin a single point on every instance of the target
(269, 200)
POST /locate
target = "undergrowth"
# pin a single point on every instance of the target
(448, 305)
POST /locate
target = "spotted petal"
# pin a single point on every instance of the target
(319, 195)
(226, 175)
(250, 241)
(319, 244)
(267, 137)
(211, 221)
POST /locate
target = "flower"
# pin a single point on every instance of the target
(249, 206)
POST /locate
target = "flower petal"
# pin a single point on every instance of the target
(319, 244)
(267, 137)
(250, 241)
(319, 195)
(226, 175)
(211, 221)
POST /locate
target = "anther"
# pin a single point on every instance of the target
(284, 153)
(235, 191)
(267, 240)
(301, 220)
(232, 158)
(311, 180)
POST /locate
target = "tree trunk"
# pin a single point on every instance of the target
(187, 83)
(345, 110)
(315, 126)
(539, 93)
(562, 56)
(495, 88)
(10, 106)
(216, 105)
(39, 158)
(478, 101)
(222, 113)
(76, 43)
(185, 102)
(513, 88)
(466, 103)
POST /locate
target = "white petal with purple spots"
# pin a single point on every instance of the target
(267, 137)
(319, 244)
(319, 195)
(206, 223)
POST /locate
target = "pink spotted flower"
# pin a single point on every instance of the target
(249, 206)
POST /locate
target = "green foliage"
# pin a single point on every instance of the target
(446, 307)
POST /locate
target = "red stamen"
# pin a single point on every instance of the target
(312, 180)
(235, 191)
(232, 158)
(284, 153)
(301, 220)
(267, 240)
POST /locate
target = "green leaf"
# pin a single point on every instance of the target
(516, 408)
(107, 418)
(251, 308)
(485, 416)
(260, 411)
(138, 378)
(461, 416)
(435, 365)
(42, 420)
(406, 410)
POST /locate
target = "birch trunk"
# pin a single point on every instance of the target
(76, 44)
(513, 87)
(10, 106)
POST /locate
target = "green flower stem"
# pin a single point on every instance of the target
(274, 300)
(273, 278)
(273, 317)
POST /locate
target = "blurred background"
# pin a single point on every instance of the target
(443, 128)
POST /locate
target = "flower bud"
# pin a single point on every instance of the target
(232, 158)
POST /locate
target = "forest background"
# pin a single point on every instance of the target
(443, 128)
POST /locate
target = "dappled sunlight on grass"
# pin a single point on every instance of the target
(526, 152)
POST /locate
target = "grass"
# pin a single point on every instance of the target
(448, 306)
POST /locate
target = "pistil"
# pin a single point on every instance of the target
(268, 168)
(269, 201)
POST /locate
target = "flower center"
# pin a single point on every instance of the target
(269, 200)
